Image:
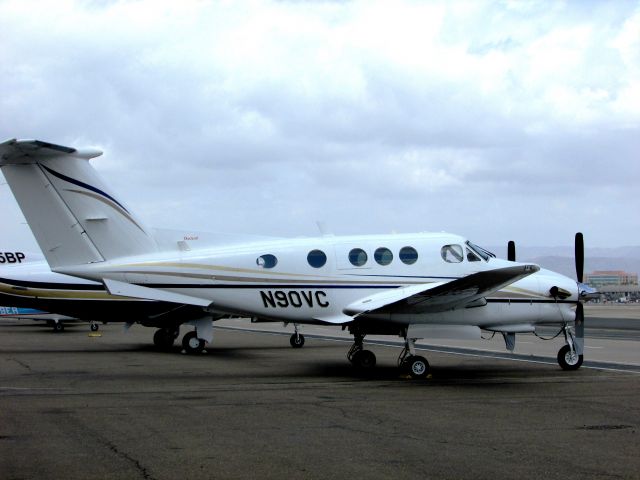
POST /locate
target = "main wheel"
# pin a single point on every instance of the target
(191, 343)
(163, 338)
(417, 366)
(95, 327)
(58, 327)
(364, 359)
(297, 340)
(568, 360)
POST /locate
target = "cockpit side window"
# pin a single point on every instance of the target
(471, 256)
(485, 254)
(452, 253)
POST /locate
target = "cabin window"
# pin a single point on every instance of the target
(358, 257)
(316, 258)
(267, 261)
(452, 253)
(408, 255)
(383, 256)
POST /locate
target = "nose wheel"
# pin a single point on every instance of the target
(568, 359)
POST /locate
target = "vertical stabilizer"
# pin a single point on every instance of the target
(73, 215)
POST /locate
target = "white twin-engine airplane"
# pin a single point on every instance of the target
(417, 286)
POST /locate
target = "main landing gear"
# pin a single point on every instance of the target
(414, 365)
(358, 356)
(165, 337)
(569, 357)
(193, 342)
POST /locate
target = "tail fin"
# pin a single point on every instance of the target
(72, 214)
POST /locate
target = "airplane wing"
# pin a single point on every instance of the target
(440, 296)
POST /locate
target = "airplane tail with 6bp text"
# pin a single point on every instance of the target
(73, 215)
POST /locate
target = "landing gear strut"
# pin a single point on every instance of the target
(358, 356)
(414, 365)
(568, 356)
(297, 339)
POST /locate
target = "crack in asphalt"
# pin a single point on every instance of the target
(141, 468)
(21, 363)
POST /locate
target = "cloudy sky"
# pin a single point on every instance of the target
(495, 120)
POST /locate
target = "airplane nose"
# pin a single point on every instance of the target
(587, 292)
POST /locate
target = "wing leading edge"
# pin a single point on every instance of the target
(440, 296)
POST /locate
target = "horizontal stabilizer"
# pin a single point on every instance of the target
(124, 289)
(14, 151)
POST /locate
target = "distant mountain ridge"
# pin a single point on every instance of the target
(560, 259)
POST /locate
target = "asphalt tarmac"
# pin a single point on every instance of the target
(110, 406)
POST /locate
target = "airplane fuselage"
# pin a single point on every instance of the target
(311, 280)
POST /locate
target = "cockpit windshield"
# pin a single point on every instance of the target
(485, 254)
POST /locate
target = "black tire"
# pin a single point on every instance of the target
(364, 359)
(58, 327)
(417, 366)
(297, 341)
(95, 327)
(163, 339)
(568, 361)
(192, 344)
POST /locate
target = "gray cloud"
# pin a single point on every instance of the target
(493, 120)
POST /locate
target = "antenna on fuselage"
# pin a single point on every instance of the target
(324, 230)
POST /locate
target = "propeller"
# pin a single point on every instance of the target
(511, 251)
(583, 290)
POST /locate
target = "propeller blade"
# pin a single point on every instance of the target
(580, 320)
(579, 256)
(580, 328)
(511, 251)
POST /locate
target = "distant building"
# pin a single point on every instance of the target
(602, 278)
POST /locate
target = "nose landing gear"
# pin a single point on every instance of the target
(569, 356)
